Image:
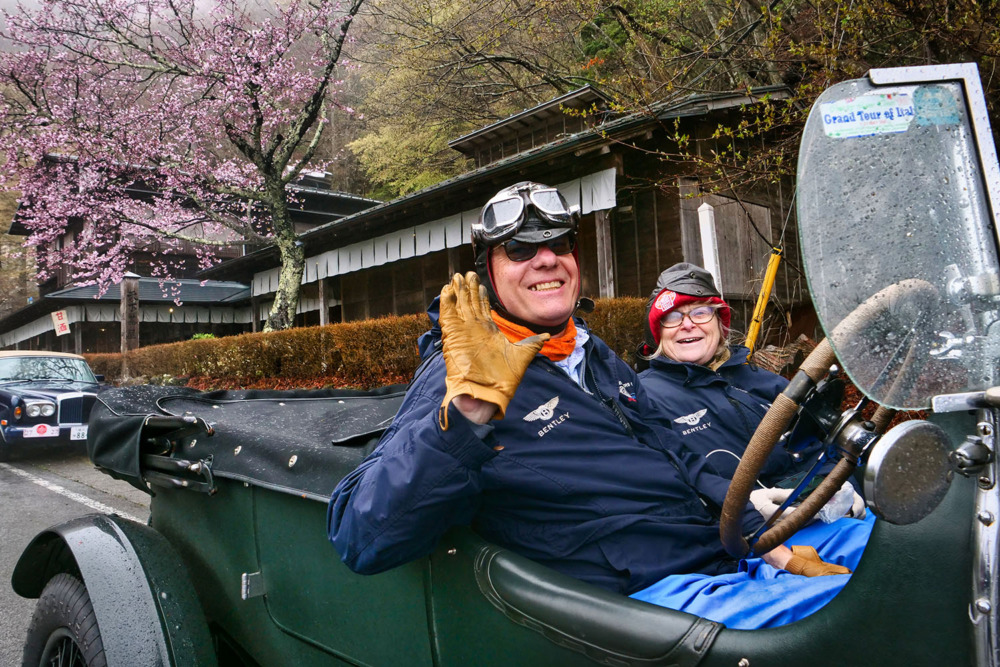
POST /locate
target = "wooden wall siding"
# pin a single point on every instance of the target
(530, 137)
(647, 239)
(586, 245)
(403, 287)
(743, 231)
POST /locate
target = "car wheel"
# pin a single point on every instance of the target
(63, 630)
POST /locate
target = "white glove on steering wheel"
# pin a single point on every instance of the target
(767, 501)
(857, 510)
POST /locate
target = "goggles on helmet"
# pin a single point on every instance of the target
(504, 214)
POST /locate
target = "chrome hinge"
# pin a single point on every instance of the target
(251, 585)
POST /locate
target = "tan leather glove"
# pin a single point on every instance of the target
(480, 361)
(806, 561)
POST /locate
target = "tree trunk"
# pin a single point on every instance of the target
(293, 263)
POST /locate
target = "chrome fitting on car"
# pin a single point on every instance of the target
(35, 409)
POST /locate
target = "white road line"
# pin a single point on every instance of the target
(72, 495)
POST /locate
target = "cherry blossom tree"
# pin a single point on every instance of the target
(166, 123)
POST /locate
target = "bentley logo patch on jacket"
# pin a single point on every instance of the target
(692, 419)
(544, 411)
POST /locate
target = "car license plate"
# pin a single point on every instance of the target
(41, 431)
(78, 433)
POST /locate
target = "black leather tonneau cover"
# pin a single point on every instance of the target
(300, 441)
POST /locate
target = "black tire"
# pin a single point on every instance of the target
(63, 630)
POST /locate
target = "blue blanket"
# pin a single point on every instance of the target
(761, 596)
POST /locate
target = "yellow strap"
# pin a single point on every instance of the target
(763, 298)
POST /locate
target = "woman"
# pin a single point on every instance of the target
(714, 398)
(707, 387)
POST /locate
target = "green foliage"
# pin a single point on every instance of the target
(402, 158)
(463, 64)
(202, 336)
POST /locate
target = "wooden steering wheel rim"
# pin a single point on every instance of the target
(778, 418)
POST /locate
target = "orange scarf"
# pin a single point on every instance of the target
(555, 348)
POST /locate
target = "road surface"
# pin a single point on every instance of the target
(37, 490)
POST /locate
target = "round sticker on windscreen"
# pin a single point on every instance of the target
(935, 105)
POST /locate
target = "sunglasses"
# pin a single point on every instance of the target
(520, 251)
(699, 315)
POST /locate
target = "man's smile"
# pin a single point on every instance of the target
(550, 285)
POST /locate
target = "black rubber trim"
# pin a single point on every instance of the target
(609, 628)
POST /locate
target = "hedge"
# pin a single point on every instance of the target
(362, 354)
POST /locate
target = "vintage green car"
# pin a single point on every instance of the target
(898, 194)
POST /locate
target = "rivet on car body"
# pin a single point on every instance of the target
(216, 407)
(292, 460)
(986, 517)
(743, 663)
(452, 551)
(193, 442)
(985, 428)
(236, 452)
(983, 606)
(281, 403)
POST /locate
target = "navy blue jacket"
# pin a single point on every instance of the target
(716, 412)
(577, 480)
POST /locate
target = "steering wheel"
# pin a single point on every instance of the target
(784, 408)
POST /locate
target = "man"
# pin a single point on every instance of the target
(533, 431)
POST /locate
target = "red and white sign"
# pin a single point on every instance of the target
(60, 322)
(41, 431)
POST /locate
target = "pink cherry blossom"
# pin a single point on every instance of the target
(162, 123)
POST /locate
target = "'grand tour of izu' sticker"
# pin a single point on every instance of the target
(867, 115)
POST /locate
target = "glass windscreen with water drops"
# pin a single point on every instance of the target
(898, 242)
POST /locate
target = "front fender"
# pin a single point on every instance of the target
(146, 607)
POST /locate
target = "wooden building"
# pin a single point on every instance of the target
(165, 311)
(639, 213)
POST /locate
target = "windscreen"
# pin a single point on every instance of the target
(897, 240)
(45, 368)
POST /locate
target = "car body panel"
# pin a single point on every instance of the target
(137, 584)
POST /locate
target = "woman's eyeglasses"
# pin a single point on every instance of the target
(520, 251)
(699, 315)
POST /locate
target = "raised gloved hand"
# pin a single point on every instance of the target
(480, 361)
(767, 501)
(806, 561)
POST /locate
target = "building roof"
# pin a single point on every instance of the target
(429, 202)
(151, 290)
(310, 204)
(576, 99)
